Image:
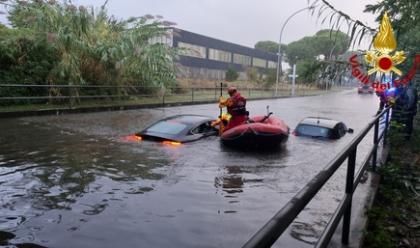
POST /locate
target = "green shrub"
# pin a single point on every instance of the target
(231, 75)
(61, 44)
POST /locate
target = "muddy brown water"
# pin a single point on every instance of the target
(70, 181)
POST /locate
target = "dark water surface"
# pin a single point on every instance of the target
(70, 181)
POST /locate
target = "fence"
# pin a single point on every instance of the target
(88, 95)
(272, 230)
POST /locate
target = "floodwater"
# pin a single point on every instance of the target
(71, 181)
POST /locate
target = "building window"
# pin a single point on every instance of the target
(272, 64)
(192, 50)
(259, 62)
(166, 39)
(241, 59)
(220, 55)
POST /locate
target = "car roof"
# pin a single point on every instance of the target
(319, 121)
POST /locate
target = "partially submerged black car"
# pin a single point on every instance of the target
(179, 128)
(318, 127)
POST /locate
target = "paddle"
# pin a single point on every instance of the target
(221, 94)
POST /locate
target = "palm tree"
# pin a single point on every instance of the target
(93, 48)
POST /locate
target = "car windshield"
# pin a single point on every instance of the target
(167, 127)
(315, 131)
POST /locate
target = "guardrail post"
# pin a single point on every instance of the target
(349, 192)
(386, 126)
(192, 94)
(375, 144)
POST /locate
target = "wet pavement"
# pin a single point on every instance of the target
(71, 181)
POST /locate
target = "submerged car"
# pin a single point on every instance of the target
(365, 89)
(318, 127)
(179, 128)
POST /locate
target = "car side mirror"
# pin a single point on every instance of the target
(350, 130)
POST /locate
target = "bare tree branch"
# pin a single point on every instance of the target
(358, 29)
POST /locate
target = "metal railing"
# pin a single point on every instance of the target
(72, 95)
(272, 230)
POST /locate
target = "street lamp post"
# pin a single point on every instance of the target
(279, 56)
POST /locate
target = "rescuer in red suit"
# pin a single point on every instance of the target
(236, 107)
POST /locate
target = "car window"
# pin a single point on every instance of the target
(315, 131)
(203, 128)
(167, 127)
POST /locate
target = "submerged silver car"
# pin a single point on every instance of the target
(319, 127)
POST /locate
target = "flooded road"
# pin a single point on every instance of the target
(70, 181)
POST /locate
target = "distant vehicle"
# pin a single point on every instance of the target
(365, 89)
(318, 127)
(179, 128)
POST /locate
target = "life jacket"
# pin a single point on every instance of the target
(238, 105)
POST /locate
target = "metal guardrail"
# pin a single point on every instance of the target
(272, 230)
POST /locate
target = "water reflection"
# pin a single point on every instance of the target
(44, 169)
(304, 232)
(5, 238)
(230, 181)
(71, 176)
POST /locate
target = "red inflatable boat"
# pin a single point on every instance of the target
(258, 132)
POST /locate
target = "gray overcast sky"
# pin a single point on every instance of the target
(243, 22)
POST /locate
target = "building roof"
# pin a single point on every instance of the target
(202, 40)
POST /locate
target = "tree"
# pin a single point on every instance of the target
(405, 16)
(271, 77)
(324, 43)
(330, 43)
(24, 60)
(301, 49)
(269, 46)
(306, 52)
(231, 75)
(325, 11)
(89, 47)
(307, 70)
